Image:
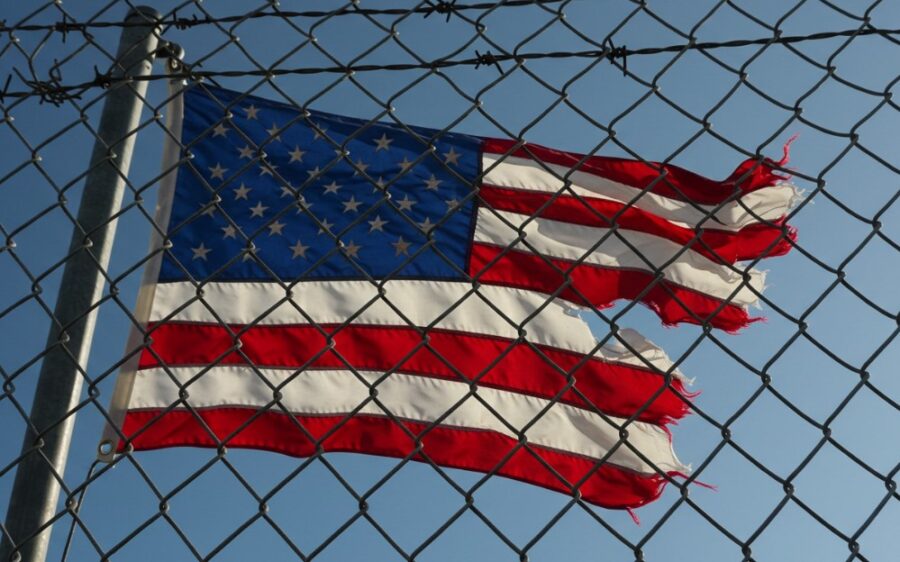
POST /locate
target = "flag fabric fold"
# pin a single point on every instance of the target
(332, 284)
(654, 233)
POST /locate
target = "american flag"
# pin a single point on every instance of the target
(336, 284)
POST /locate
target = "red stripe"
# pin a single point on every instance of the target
(670, 181)
(751, 242)
(481, 451)
(601, 286)
(616, 389)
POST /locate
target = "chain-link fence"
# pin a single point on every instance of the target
(796, 428)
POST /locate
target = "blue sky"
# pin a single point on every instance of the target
(812, 372)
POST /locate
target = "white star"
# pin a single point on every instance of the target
(267, 169)
(360, 167)
(246, 152)
(332, 187)
(258, 210)
(229, 231)
(426, 225)
(400, 247)
(319, 133)
(296, 154)
(220, 130)
(288, 190)
(406, 203)
(432, 183)
(377, 224)
(273, 132)
(210, 210)
(326, 226)
(276, 228)
(301, 201)
(314, 172)
(351, 205)
(200, 252)
(405, 164)
(451, 204)
(452, 157)
(352, 249)
(217, 172)
(384, 143)
(379, 185)
(252, 110)
(241, 191)
(299, 250)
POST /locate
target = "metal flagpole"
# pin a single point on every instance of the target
(35, 494)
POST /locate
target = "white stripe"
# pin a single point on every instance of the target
(574, 241)
(409, 397)
(421, 303)
(768, 203)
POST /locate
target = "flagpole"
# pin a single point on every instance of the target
(33, 503)
(108, 448)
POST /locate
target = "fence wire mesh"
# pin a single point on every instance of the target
(797, 424)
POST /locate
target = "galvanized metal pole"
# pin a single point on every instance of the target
(35, 494)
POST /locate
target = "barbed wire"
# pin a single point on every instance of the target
(54, 92)
(442, 7)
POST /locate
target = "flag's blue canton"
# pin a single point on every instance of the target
(306, 210)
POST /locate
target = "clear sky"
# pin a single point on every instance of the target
(850, 318)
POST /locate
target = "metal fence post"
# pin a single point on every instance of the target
(35, 494)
